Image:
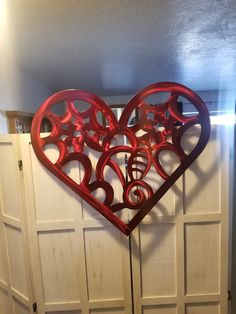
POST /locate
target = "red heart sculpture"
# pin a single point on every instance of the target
(158, 128)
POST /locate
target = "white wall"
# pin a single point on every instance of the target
(19, 91)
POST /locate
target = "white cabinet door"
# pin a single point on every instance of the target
(15, 283)
(81, 262)
(180, 251)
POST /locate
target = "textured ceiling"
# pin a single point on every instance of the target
(114, 47)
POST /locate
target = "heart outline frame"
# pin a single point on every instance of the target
(117, 127)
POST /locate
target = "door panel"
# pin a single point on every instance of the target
(81, 262)
(105, 311)
(209, 308)
(20, 308)
(159, 309)
(5, 306)
(3, 260)
(17, 267)
(15, 284)
(10, 189)
(203, 180)
(162, 262)
(102, 264)
(180, 262)
(202, 258)
(59, 265)
(65, 312)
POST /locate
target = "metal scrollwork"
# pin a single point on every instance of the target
(157, 129)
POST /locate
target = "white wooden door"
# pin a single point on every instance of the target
(180, 251)
(81, 263)
(15, 284)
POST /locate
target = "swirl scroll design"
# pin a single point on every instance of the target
(159, 128)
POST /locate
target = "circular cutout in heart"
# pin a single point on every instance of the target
(151, 132)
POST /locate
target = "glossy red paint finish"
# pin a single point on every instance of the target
(80, 131)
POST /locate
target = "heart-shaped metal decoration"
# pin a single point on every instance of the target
(157, 130)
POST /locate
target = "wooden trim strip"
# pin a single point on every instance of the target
(11, 221)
